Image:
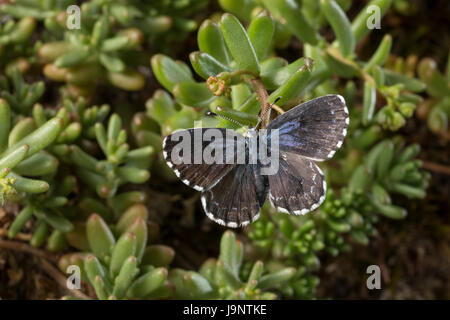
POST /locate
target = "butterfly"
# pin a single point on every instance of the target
(233, 192)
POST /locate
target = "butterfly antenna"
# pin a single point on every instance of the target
(267, 110)
(210, 113)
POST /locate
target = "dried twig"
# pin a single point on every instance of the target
(48, 267)
(60, 279)
(262, 96)
(20, 236)
(436, 167)
(20, 246)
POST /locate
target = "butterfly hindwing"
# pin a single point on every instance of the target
(196, 174)
(298, 187)
(236, 199)
(314, 129)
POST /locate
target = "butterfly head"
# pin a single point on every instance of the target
(251, 131)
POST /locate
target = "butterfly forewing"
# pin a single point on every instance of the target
(314, 129)
(191, 167)
(298, 187)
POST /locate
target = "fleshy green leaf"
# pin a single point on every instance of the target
(341, 26)
(168, 72)
(238, 43)
(260, 32)
(210, 40)
(100, 236)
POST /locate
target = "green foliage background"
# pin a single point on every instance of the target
(83, 113)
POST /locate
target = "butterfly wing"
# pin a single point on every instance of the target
(236, 199)
(187, 160)
(298, 187)
(314, 129)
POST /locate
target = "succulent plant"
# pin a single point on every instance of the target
(77, 159)
(34, 149)
(240, 76)
(78, 59)
(19, 145)
(117, 261)
(437, 108)
(15, 51)
(20, 96)
(122, 266)
(121, 164)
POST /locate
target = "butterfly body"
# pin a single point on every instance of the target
(238, 173)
